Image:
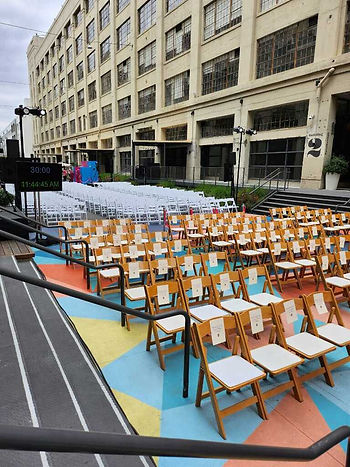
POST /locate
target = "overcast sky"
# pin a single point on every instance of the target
(35, 14)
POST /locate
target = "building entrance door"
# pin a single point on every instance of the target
(341, 141)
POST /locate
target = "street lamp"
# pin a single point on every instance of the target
(241, 131)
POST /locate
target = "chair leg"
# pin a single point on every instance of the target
(159, 348)
(215, 404)
(297, 387)
(149, 336)
(327, 372)
(260, 405)
(199, 387)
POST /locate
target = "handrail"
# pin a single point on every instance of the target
(113, 306)
(342, 205)
(268, 179)
(268, 196)
(54, 440)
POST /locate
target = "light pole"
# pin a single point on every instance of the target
(241, 131)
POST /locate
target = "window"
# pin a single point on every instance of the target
(62, 86)
(49, 97)
(106, 83)
(107, 114)
(283, 116)
(52, 50)
(346, 47)
(70, 79)
(72, 127)
(52, 134)
(89, 5)
(71, 103)
(58, 131)
(178, 39)
(93, 119)
(267, 4)
(43, 82)
(91, 62)
(44, 104)
(147, 58)
(220, 15)
(171, 4)
(217, 127)
(57, 112)
(125, 161)
(123, 34)
(64, 129)
(124, 107)
(69, 54)
(59, 41)
(80, 71)
(49, 77)
(61, 64)
(90, 31)
(47, 58)
(121, 4)
(147, 15)
(124, 141)
(124, 72)
(54, 70)
(176, 133)
(267, 156)
(68, 30)
(287, 48)
(39, 86)
(92, 91)
(177, 88)
(147, 99)
(220, 73)
(105, 49)
(80, 95)
(78, 17)
(50, 116)
(63, 108)
(104, 16)
(79, 44)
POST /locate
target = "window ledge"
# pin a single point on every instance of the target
(261, 13)
(146, 73)
(232, 28)
(174, 9)
(120, 86)
(177, 56)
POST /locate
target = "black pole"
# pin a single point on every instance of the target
(239, 164)
(22, 156)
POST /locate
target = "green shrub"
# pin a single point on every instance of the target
(167, 184)
(105, 177)
(5, 198)
(336, 165)
(121, 178)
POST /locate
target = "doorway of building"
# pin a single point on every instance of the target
(341, 140)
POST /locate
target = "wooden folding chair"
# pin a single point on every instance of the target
(165, 297)
(134, 252)
(159, 236)
(280, 261)
(216, 238)
(231, 373)
(322, 306)
(179, 247)
(250, 277)
(138, 229)
(164, 269)
(273, 357)
(230, 292)
(211, 261)
(156, 250)
(306, 343)
(189, 265)
(329, 272)
(299, 254)
(194, 234)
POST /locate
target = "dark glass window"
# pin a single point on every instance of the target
(220, 73)
(283, 116)
(217, 127)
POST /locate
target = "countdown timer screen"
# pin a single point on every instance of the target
(39, 176)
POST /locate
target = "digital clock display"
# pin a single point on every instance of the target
(32, 176)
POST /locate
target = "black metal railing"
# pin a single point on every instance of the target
(54, 440)
(100, 301)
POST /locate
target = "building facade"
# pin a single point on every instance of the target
(141, 82)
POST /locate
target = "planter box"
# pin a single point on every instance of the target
(332, 180)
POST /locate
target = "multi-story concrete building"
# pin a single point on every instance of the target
(12, 131)
(137, 82)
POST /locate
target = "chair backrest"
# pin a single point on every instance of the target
(227, 285)
(214, 259)
(189, 265)
(164, 296)
(197, 290)
(323, 306)
(159, 236)
(179, 247)
(163, 267)
(250, 277)
(135, 271)
(287, 313)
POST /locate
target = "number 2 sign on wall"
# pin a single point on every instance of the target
(314, 147)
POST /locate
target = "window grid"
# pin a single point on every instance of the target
(80, 71)
(123, 34)
(124, 107)
(70, 79)
(171, 4)
(267, 4)
(91, 62)
(70, 54)
(217, 127)
(79, 44)
(89, 5)
(147, 15)
(121, 4)
(178, 39)
(72, 127)
(71, 103)
(147, 99)
(176, 133)
(124, 141)
(61, 64)
(62, 87)
(81, 99)
(147, 58)
(287, 48)
(177, 88)
(68, 30)
(105, 49)
(125, 161)
(220, 73)
(57, 112)
(346, 47)
(78, 17)
(284, 116)
(107, 114)
(146, 134)
(93, 119)
(104, 16)
(90, 31)
(64, 129)
(58, 131)
(106, 83)
(63, 108)
(92, 94)
(220, 15)
(267, 156)
(124, 72)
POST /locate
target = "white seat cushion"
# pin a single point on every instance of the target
(195, 235)
(251, 252)
(109, 273)
(305, 262)
(337, 281)
(172, 324)
(236, 304)
(308, 345)
(287, 265)
(347, 275)
(221, 243)
(163, 251)
(335, 333)
(263, 250)
(275, 358)
(235, 371)
(205, 312)
(264, 299)
(136, 293)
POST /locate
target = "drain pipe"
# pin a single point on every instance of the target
(320, 84)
